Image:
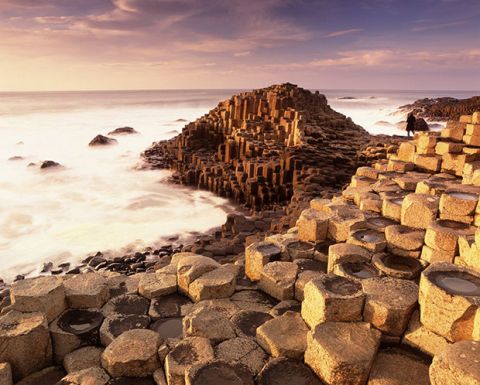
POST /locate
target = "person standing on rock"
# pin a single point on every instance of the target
(411, 120)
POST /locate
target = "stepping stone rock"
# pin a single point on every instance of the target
(73, 329)
(244, 351)
(86, 291)
(6, 374)
(396, 266)
(126, 304)
(209, 323)
(389, 304)
(122, 284)
(153, 285)
(188, 352)
(346, 252)
(114, 326)
(284, 336)
(246, 322)
(342, 352)
(253, 300)
(25, 342)
(332, 298)
(218, 283)
(43, 294)
(90, 376)
(286, 371)
(458, 364)
(257, 255)
(83, 358)
(397, 367)
(132, 354)
(372, 240)
(191, 267)
(278, 279)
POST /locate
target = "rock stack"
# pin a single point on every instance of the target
(261, 148)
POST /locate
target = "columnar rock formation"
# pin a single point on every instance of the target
(378, 285)
(262, 147)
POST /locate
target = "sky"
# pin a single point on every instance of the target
(171, 44)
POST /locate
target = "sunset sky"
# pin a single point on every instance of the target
(150, 44)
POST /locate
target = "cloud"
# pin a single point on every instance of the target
(436, 26)
(344, 32)
(241, 54)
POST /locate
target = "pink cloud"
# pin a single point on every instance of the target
(344, 32)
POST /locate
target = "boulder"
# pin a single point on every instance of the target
(132, 354)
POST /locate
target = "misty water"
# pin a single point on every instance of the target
(100, 200)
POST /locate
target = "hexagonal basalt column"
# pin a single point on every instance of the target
(372, 240)
(287, 371)
(42, 294)
(73, 329)
(86, 291)
(192, 267)
(356, 270)
(278, 279)
(449, 298)
(404, 237)
(458, 203)
(218, 283)
(313, 225)
(257, 255)
(457, 364)
(25, 342)
(419, 210)
(441, 240)
(389, 303)
(343, 222)
(346, 252)
(342, 352)
(332, 298)
(396, 266)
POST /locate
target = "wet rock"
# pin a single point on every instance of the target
(49, 164)
(42, 294)
(115, 325)
(73, 329)
(101, 140)
(132, 354)
(284, 336)
(173, 305)
(286, 371)
(83, 358)
(25, 342)
(246, 322)
(126, 304)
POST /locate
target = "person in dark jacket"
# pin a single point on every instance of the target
(411, 120)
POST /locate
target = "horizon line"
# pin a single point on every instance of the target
(236, 89)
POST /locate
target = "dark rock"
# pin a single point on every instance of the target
(123, 131)
(50, 164)
(101, 140)
(16, 157)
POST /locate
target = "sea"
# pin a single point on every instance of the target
(101, 199)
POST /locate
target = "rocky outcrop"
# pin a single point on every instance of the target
(101, 140)
(445, 108)
(263, 148)
(123, 131)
